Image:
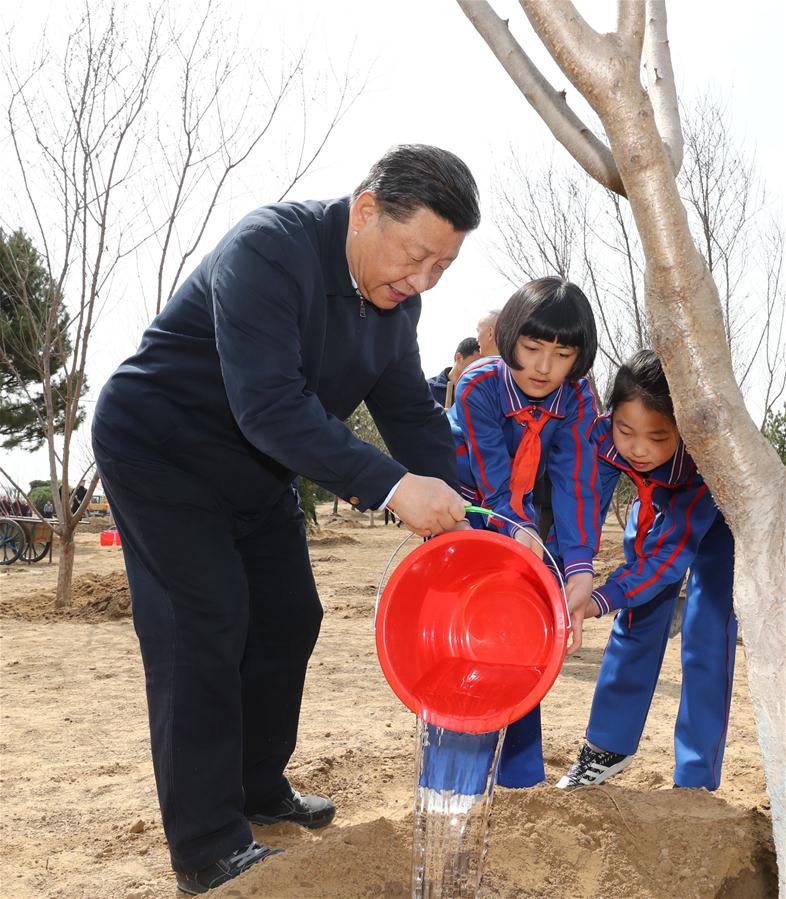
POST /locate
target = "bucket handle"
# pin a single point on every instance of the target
(489, 514)
(384, 573)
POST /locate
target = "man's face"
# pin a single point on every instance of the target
(461, 362)
(488, 345)
(393, 260)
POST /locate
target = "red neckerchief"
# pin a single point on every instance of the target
(525, 463)
(644, 488)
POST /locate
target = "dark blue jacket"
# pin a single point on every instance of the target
(246, 375)
(487, 437)
(685, 512)
(438, 385)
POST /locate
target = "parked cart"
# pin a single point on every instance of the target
(28, 539)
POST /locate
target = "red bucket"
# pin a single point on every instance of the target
(471, 631)
(110, 538)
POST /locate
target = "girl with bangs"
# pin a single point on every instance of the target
(518, 418)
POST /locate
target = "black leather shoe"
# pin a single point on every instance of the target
(196, 882)
(308, 811)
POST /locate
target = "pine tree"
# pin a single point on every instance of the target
(29, 299)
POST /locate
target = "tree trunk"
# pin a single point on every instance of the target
(335, 505)
(742, 470)
(65, 572)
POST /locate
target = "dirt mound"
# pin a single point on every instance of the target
(328, 539)
(349, 610)
(96, 597)
(94, 524)
(367, 861)
(607, 842)
(617, 843)
(356, 589)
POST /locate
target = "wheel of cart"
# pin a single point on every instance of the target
(28, 539)
(39, 539)
(12, 541)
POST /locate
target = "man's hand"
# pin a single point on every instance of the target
(581, 606)
(528, 538)
(427, 506)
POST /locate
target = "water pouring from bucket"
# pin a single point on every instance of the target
(471, 632)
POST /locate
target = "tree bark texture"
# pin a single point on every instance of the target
(63, 597)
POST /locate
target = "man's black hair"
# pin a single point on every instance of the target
(549, 309)
(411, 176)
(642, 378)
(468, 347)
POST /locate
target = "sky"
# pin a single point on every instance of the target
(433, 80)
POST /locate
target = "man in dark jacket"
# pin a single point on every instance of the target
(443, 385)
(301, 312)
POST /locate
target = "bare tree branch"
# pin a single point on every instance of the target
(591, 154)
(660, 80)
(89, 129)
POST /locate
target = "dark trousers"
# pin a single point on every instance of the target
(227, 615)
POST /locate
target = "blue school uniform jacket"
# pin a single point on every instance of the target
(487, 437)
(246, 375)
(685, 511)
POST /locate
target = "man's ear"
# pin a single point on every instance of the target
(363, 210)
(457, 357)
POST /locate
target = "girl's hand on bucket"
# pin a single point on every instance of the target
(581, 606)
(427, 506)
(527, 538)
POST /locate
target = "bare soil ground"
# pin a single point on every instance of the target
(80, 818)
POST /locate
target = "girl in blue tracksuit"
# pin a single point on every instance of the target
(518, 416)
(674, 526)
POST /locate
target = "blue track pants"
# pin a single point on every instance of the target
(634, 654)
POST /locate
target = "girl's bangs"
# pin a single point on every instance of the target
(556, 320)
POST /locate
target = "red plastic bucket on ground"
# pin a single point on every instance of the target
(471, 631)
(110, 538)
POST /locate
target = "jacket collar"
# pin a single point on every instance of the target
(513, 398)
(333, 247)
(672, 473)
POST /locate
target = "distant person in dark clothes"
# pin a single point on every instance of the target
(77, 496)
(443, 385)
(49, 509)
(21, 508)
(487, 334)
(302, 312)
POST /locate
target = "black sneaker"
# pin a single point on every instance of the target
(196, 882)
(592, 768)
(308, 811)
